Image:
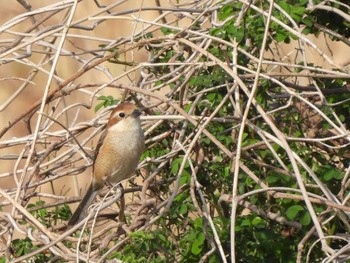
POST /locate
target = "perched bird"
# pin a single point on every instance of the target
(117, 154)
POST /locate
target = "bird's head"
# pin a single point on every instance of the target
(126, 116)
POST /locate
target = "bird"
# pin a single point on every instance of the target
(118, 152)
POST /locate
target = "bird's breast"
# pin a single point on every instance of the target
(118, 156)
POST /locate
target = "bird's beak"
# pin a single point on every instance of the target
(136, 113)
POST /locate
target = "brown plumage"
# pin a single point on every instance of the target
(117, 154)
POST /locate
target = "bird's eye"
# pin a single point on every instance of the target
(121, 114)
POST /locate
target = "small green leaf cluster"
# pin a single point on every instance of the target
(50, 217)
(47, 217)
(150, 246)
(106, 102)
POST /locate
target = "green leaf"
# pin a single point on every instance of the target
(285, 6)
(219, 32)
(258, 221)
(307, 21)
(198, 223)
(206, 140)
(297, 13)
(201, 237)
(293, 211)
(102, 98)
(211, 96)
(272, 179)
(175, 166)
(106, 102)
(197, 245)
(184, 179)
(183, 209)
(305, 219)
(330, 173)
(239, 34)
(98, 106)
(280, 36)
(246, 222)
(196, 248)
(167, 31)
(342, 118)
(225, 12)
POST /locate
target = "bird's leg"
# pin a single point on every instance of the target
(121, 215)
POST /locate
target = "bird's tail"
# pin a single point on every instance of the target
(84, 204)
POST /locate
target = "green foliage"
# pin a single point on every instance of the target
(24, 246)
(295, 211)
(106, 102)
(146, 246)
(48, 217)
(256, 234)
(167, 31)
(260, 241)
(162, 246)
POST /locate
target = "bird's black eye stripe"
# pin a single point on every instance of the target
(121, 114)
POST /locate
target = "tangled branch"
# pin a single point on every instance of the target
(236, 129)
